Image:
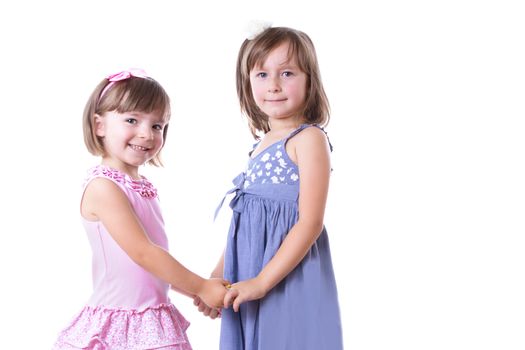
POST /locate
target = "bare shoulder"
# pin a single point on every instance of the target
(99, 194)
(101, 186)
(313, 132)
(311, 137)
(310, 142)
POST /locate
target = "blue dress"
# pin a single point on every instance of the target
(302, 311)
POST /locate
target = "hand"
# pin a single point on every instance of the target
(213, 292)
(211, 312)
(243, 291)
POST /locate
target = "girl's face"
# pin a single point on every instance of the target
(130, 139)
(279, 86)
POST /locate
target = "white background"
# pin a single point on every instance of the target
(427, 200)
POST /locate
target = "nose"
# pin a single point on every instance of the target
(146, 132)
(273, 85)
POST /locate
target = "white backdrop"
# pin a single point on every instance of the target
(426, 205)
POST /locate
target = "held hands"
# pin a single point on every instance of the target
(243, 291)
(212, 293)
(211, 312)
(233, 295)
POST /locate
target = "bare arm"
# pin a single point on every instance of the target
(103, 200)
(312, 154)
(213, 313)
(218, 271)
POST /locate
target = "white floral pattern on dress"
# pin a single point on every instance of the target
(272, 166)
(266, 157)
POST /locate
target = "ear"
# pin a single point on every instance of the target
(99, 125)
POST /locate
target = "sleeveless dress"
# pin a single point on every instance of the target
(302, 311)
(129, 307)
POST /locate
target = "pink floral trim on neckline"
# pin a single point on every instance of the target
(142, 186)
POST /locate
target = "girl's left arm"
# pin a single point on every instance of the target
(313, 159)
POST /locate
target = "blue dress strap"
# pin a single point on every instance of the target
(253, 148)
(304, 126)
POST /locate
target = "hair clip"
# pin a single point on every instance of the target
(254, 28)
(123, 75)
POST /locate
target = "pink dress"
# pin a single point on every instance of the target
(129, 307)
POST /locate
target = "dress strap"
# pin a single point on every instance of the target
(304, 126)
(253, 148)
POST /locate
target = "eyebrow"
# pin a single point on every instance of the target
(287, 64)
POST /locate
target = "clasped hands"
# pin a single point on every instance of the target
(234, 296)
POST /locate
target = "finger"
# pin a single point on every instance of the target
(207, 311)
(237, 303)
(202, 307)
(214, 313)
(229, 297)
(196, 301)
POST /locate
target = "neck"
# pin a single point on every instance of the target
(285, 124)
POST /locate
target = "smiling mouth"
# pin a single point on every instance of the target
(138, 148)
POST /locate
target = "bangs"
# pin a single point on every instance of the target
(260, 53)
(137, 95)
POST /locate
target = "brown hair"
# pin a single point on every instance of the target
(253, 53)
(130, 95)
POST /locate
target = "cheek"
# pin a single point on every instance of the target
(254, 90)
(159, 140)
(299, 90)
(292, 92)
(256, 96)
(256, 87)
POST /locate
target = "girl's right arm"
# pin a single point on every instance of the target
(103, 200)
(311, 150)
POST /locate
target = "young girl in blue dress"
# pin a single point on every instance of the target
(277, 256)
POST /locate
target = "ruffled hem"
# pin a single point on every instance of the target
(94, 328)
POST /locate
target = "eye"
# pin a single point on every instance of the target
(158, 127)
(261, 75)
(131, 121)
(287, 74)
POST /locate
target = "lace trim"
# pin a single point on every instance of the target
(142, 187)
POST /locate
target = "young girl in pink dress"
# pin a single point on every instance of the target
(126, 122)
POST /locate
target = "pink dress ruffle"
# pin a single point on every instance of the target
(97, 328)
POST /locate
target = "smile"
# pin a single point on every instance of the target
(138, 148)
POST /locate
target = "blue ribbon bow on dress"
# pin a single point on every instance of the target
(237, 199)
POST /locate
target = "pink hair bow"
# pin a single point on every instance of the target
(125, 74)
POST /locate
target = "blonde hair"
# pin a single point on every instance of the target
(253, 52)
(129, 95)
